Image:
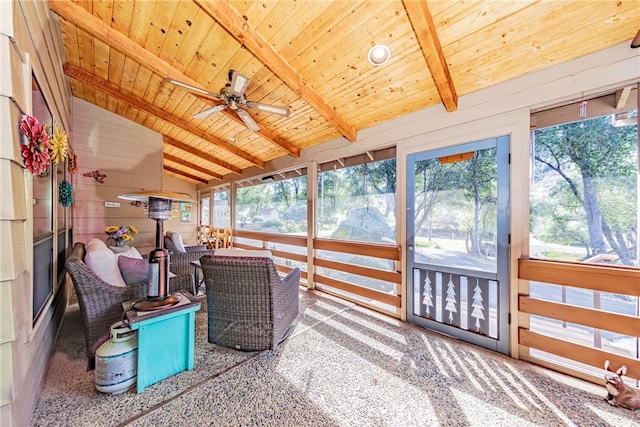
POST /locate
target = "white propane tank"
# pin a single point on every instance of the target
(117, 361)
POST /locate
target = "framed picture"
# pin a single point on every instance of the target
(185, 216)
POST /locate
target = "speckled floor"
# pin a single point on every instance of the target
(342, 366)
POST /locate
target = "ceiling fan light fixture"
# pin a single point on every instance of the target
(379, 55)
(239, 83)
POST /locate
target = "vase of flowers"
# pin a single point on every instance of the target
(120, 235)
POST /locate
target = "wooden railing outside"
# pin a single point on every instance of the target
(388, 302)
(267, 240)
(385, 302)
(598, 278)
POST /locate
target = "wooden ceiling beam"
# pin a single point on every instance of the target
(232, 21)
(190, 165)
(425, 29)
(80, 17)
(112, 90)
(622, 96)
(185, 174)
(199, 153)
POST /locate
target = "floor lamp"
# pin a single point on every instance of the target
(159, 209)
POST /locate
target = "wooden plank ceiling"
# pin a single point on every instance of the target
(311, 56)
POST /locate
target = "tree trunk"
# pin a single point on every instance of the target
(594, 215)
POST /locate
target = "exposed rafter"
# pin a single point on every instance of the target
(425, 30)
(255, 43)
(199, 153)
(96, 27)
(191, 165)
(622, 96)
(185, 174)
(112, 90)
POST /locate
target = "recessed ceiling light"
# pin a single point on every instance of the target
(379, 55)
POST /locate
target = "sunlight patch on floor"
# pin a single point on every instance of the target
(465, 370)
(434, 356)
(615, 419)
(515, 383)
(481, 413)
(375, 327)
(369, 395)
(499, 382)
(364, 339)
(540, 396)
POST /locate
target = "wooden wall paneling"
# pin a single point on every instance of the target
(188, 230)
(46, 63)
(13, 85)
(28, 353)
(10, 138)
(6, 18)
(55, 52)
(131, 157)
(12, 260)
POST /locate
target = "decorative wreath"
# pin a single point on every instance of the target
(96, 175)
(59, 144)
(65, 193)
(35, 153)
(72, 167)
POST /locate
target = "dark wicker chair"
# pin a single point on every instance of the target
(180, 262)
(100, 302)
(249, 306)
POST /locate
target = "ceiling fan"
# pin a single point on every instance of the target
(232, 97)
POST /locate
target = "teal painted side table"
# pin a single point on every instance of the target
(166, 339)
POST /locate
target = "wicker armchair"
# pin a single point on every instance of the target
(249, 307)
(100, 302)
(180, 262)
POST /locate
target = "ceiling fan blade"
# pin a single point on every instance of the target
(192, 88)
(208, 111)
(248, 120)
(275, 109)
(239, 82)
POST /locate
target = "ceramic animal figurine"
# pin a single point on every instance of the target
(618, 393)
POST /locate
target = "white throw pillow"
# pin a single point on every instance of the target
(264, 253)
(176, 238)
(102, 261)
(130, 252)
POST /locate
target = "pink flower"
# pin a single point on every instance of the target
(35, 153)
